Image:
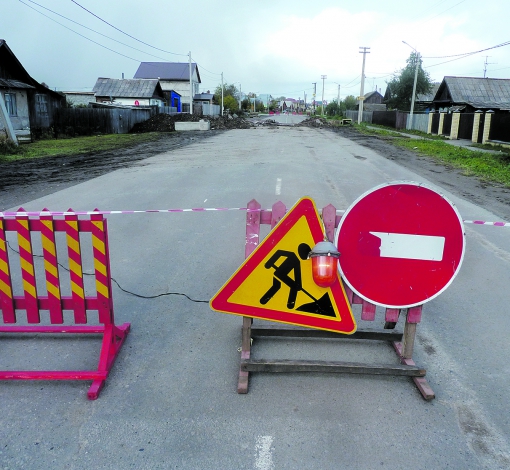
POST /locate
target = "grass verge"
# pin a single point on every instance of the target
(76, 146)
(491, 167)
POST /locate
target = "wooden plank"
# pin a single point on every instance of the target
(278, 211)
(420, 382)
(262, 365)
(414, 314)
(252, 227)
(297, 332)
(367, 311)
(408, 340)
(328, 218)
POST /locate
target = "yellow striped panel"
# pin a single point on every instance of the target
(102, 289)
(6, 289)
(27, 267)
(75, 267)
(4, 267)
(48, 245)
(3, 245)
(98, 244)
(73, 244)
(29, 289)
(53, 290)
(49, 267)
(77, 289)
(24, 243)
(100, 267)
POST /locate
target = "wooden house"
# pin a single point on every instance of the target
(29, 104)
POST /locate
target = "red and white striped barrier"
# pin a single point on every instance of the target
(22, 212)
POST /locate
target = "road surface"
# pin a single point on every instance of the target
(171, 401)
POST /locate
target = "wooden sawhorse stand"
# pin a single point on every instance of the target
(403, 343)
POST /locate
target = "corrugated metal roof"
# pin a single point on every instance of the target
(129, 88)
(479, 92)
(7, 83)
(166, 70)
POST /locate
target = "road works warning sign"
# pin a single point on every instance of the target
(275, 282)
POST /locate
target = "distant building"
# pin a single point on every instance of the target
(373, 101)
(130, 92)
(79, 98)
(469, 94)
(173, 76)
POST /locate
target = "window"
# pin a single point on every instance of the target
(41, 104)
(10, 104)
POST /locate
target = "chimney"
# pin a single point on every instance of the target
(122, 75)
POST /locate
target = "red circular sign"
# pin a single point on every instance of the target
(137, 103)
(401, 244)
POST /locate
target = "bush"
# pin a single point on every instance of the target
(8, 147)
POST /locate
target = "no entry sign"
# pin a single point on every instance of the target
(401, 244)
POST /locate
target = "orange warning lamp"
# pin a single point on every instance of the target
(324, 257)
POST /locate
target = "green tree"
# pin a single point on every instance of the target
(228, 90)
(230, 103)
(245, 104)
(333, 109)
(401, 84)
(349, 103)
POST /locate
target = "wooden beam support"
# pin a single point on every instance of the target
(282, 365)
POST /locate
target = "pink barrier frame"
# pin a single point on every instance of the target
(32, 304)
(402, 342)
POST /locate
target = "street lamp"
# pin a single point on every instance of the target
(418, 59)
(338, 97)
(323, 78)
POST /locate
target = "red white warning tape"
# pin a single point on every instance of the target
(195, 209)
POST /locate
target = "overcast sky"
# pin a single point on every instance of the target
(268, 46)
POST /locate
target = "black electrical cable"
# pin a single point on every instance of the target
(123, 32)
(119, 286)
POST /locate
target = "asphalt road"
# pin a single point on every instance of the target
(171, 401)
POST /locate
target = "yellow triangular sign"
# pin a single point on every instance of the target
(275, 282)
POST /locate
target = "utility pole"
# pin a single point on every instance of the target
(221, 110)
(190, 86)
(418, 62)
(240, 98)
(338, 100)
(313, 101)
(411, 114)
(365, 51)
(485, 66)
(323, 78)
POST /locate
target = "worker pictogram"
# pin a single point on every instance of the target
(276, 283)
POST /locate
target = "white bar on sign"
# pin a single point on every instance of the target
(402, 245)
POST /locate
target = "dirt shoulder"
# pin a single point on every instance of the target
(30, 179)
(25, 180)
(491, 196)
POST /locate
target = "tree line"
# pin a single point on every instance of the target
(399, 96)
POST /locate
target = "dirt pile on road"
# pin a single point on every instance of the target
(314, 122)
(166, 122)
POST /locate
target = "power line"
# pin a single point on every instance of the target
(123, 32)
(444, 11)
(85, 37)
(90, 29)
(506, 43)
